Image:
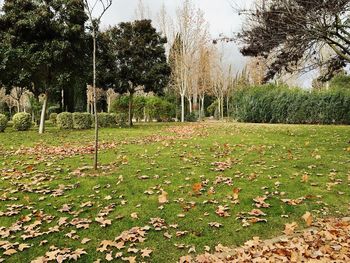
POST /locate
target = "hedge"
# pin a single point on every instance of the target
(3, 122)
(274, 104)
(82, 120)
(65, 120)
(106, 119)
(22, 121)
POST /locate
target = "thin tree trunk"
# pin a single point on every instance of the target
(182, 108)
(95, 100)
(131, 98)
(227, 106)
(202, 107)
(42, 117)
(62, 99)
(219, 108)
(190, 104)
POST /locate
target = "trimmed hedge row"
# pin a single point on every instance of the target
(273, 104)
(84, 120)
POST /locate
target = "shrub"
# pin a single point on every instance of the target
(121, 119)
(3, 122)
(106, 119)
(279, 104)
(22, 121)
(191, 117)
(82, 120)
(53, 109)
(65, 120)
(53, 118)
(159, 109)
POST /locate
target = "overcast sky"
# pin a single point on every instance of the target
(221, 15)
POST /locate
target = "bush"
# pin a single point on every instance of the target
(22, 121)
(53, 118)
(82, 120)
(159, 109)
(121, 119)
(53, 109)
(106, 119)
(191, 117)
(279, 104)
(65, 120)
(3, 122)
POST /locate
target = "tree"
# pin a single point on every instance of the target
(94, 23)
(40, 41)
(140, 59)
(292, 33)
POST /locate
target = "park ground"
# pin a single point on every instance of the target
(164, 191)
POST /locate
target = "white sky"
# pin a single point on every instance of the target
(221, 15)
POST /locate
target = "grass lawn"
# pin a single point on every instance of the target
(211, 173)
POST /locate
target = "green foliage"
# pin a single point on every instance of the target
(106, 119)
(53, 118)
(82, 120)
(3, 122)
(213, 109)
(120, 104)
(159, 109)
(191, 117)
(22, 121)
(139, 104)
(278, 104)
(65, 120)
(121, 119)
(341, 81)
(53, 109)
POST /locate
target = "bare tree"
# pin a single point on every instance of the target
(290, 34)
(110, 96)
(95, 21)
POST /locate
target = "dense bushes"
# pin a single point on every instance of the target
(148, 108)
(3, 122)
(22, 121)
(272, 104)
(53, 118)
(65, 120)
(159, 109)
(82, 120)
(106, 119)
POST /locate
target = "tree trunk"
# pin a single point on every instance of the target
(131, 98)
(190, 104)
(182, 108)
(227, 106)
(95, 99)
(222, 107)
(42, 117)
(219, 108)
(62, 99)
(202, 107)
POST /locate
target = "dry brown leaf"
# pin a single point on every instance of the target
(308, 218)
(290, 228)
(10, 252)
(163, 198)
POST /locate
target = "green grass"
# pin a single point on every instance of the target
(266, 155)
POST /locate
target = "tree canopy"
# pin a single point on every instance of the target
(140, 58)
(292, 33)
